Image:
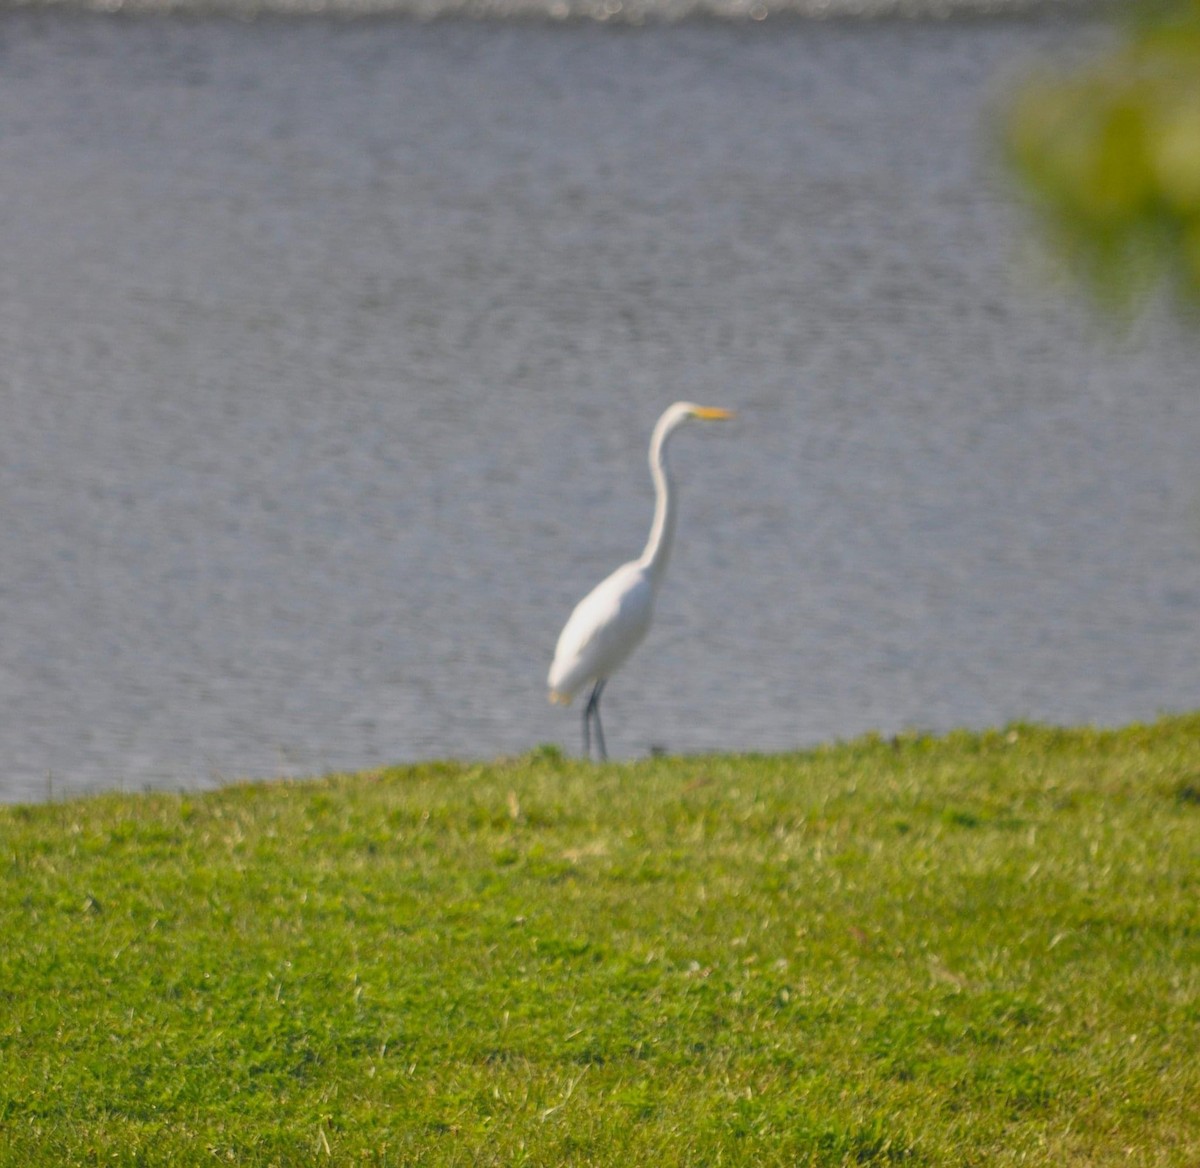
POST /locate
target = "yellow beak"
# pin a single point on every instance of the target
(712, 414)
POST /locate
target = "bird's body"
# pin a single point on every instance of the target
(606, 626)
(611, 620)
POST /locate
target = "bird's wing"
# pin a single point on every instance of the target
(604, 629)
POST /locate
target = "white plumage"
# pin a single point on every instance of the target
(611, 620)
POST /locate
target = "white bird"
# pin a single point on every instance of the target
(611, 620)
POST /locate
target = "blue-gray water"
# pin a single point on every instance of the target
(331, 349)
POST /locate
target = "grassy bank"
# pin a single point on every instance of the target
(973, 950)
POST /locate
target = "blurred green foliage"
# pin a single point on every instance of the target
(1110, 151)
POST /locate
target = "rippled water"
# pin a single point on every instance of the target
(331, 351)
(613, 12)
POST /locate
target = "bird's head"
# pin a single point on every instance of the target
(679, 413)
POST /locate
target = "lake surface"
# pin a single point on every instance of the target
(331, 350)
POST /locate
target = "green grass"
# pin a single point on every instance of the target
(972, 950)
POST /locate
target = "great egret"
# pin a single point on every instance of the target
(610, 621)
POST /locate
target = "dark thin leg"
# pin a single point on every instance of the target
(599, 728)
(590, 711)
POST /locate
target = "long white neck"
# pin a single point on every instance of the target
(662, 530)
